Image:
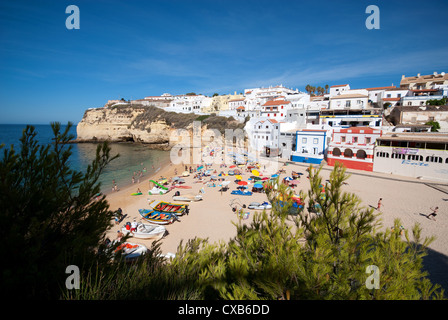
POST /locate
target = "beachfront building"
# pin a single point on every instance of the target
(413, 154)
(391, 98)
(310, 146)
(353, 147)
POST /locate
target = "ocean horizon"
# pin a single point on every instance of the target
(134, 158)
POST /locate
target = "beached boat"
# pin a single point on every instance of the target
(259, 206)
(157, 217)
(188, 197)
(146, 231)
(131, 251)
(136, 194)
(162, 206)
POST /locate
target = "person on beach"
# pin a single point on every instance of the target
(433, 213)
(119, 235)
(380, 204)
(134, 226)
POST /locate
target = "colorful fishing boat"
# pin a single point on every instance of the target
(157, 217)
(162, 206)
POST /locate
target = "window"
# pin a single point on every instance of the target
(361, 154)
(434, 159)
(347, 103)
(348, 153)
(415, 157)
(342, 138)
(336, 152)
(382, 155)
(368, 140)
(303, 140)
(355, 139)
(389, 95)
(315, 140)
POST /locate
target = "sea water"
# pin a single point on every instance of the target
(133, 160)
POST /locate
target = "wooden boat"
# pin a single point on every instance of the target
(162, 206)
(146, 231)
(157, 217)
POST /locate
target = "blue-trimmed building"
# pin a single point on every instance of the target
(310, 146)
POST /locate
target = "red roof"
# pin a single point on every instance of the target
(381, 88)
(358, 130)
(276, 102)
(240, 108)
(391, 99)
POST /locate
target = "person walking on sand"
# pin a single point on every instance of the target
(380, 204)
(433, 213)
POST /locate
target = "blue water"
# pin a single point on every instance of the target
(134, 158)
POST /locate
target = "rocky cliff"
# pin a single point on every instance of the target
(144, 124)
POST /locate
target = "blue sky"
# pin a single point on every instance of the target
(132, 49)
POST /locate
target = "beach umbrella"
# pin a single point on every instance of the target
(242, 183)
(264, 179)
(255, 173)
(258, 186)
(288, 179)
(238, 177)
(274, 176)
(186, 173)
(232, 166)
(224, 183)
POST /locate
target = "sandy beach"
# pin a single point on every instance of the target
(405, 198)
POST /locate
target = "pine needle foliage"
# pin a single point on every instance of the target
(49, 214)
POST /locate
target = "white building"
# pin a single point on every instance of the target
(392, 96)
(264, 135)
(310, 146)
(275, 109)
(188, 104)
(338, 89)
(350, 99)
(375, 93)
(418, 155)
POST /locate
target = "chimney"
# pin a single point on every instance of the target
(435, 73)
(418, 75)
(402, 77)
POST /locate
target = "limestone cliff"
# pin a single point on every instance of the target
(145, 124)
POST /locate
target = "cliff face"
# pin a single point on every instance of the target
(143, 124)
